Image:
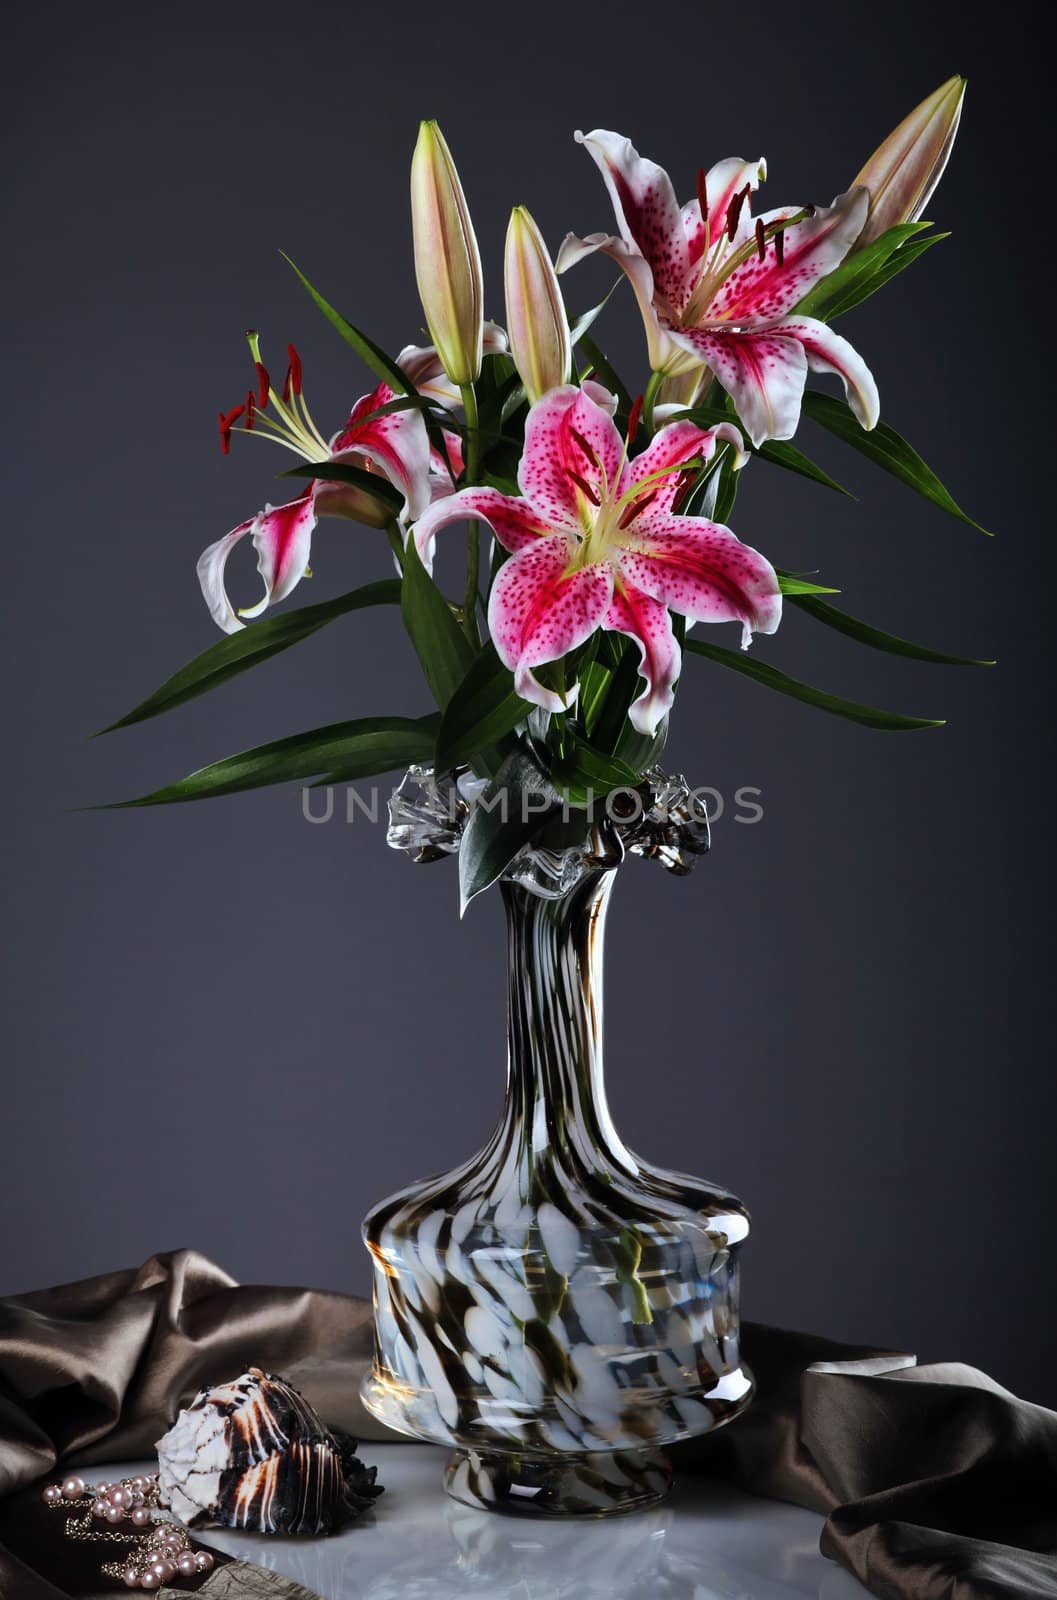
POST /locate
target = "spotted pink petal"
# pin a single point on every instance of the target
(647, 211)
(647, 622)
(826, 351)
(572, 458)
(769, 288)
(541, 608)
(282, 537)
(513, 520)
(722, 183)
(704, 572)
(397, 443)
(666, 452)
(764, 372)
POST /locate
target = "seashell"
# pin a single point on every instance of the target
(253, 1454)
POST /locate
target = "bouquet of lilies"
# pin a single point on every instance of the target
(595, 514)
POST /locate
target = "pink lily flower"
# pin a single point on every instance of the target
(395, 445)
(718, 288)
(596, 542)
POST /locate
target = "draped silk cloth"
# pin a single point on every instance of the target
(936, 1483)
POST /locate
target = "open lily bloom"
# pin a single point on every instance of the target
(597, 542)
(716, 287)
(395, 445)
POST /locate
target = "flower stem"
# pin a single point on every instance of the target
(649, 398)
(473, 538)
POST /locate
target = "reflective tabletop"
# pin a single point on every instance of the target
(707, 1541)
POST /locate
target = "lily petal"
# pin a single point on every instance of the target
(769, 288)
(722, 183)
(703, 571)
(397, 443)
(764, 373)
(540, 609)
(513, 520)
(669, 448)
(648, 214)
(421, 365)
(827, 352)
(572, 458)
(664, 356)
(282, 537)
(647, 622)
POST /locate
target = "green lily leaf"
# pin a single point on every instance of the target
(640, 750)
(884, 446)
(371, 483)
(356, 749)
(483, 709)
(868, 716)
(890, 642)
(587, 774)
(855, 270)
(237, 652)
(383, 366)
(790, 585)
(440, 644)
(502, 822)
(896, 263)
(778, 451)
(583, 323)
(604, 371)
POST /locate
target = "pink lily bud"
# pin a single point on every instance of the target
(447, 261)
(903, 172)
(537, 326)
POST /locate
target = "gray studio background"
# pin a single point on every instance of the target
(227, 1028)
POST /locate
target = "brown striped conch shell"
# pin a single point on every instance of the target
(253, 1454)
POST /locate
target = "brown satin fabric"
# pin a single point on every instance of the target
(936, 1483)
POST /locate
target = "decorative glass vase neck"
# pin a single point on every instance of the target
(556, 1309)
(556, 1128)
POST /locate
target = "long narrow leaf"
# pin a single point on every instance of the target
(381, 365)
(237, 652)
(855, 269)
(484, 707)
(778, 451)
(358, 749)
(888, 449)
(771, 678)
(440, 644)
(791, 585)
(823, 612)
(895, 264)
(604, 370)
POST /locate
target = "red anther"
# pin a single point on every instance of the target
(587, 447)
(779, 246)
(585, 488)
(683, 485)
(227, 420)
(251, 409)
(635, 509)
(702, 194)
(295, 368)
(634, 418)
(734, 210)
(265, 385)
(761, 239)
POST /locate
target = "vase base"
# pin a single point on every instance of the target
(590, 1485)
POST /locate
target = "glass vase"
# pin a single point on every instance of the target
(556, 1309)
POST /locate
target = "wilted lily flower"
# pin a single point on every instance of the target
(395, 445)
(535, 312)
(901, 175)
(447, 261)
(597, 542)
(716, 287)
